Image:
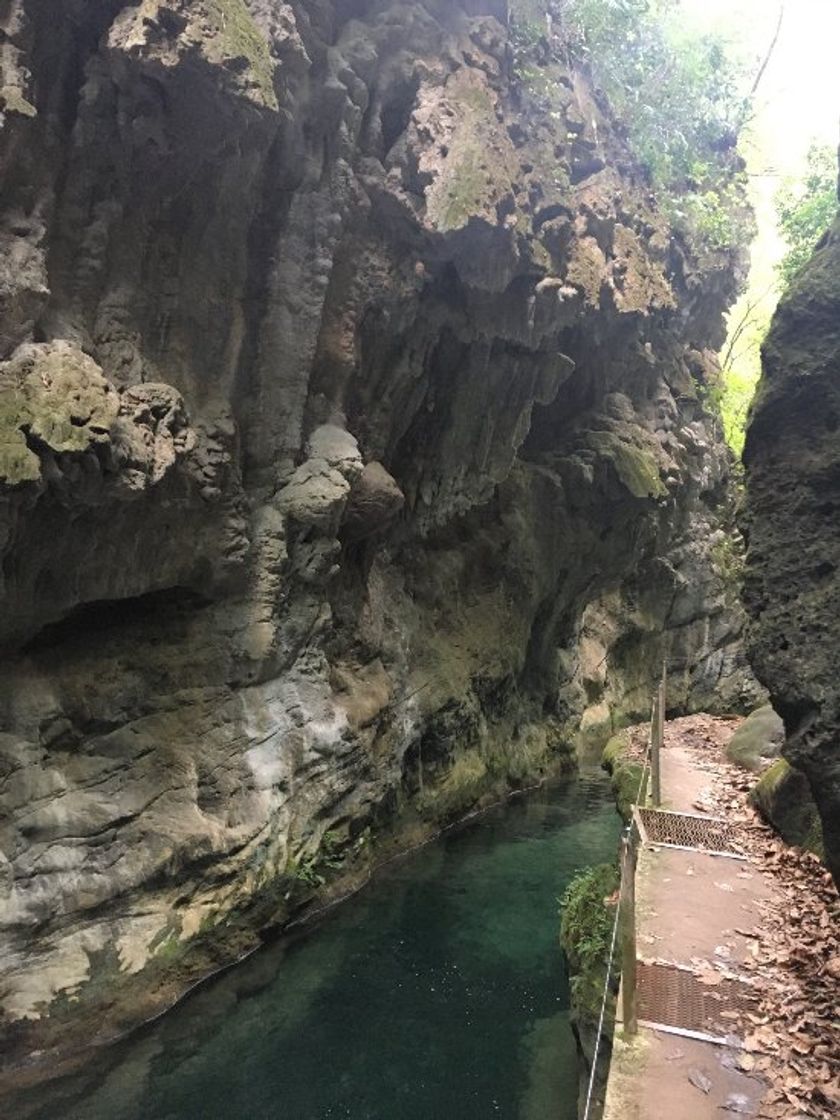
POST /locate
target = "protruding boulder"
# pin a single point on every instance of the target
(337, 448)
(375, 499)
(315, 495)
(54, 395)
(758, 741)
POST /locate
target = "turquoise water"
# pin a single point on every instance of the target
(437, 992)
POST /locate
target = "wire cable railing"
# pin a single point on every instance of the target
(625, 904)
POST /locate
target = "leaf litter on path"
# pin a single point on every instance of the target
(792, 1040)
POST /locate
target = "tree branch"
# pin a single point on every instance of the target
(769, 54)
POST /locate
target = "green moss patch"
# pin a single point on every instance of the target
(635, 466)
(783, 797)
(478, 169)
(481, 775)
(234, 36)
(17, 463)
(626, 773)
(55, 393)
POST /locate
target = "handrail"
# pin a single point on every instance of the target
(625, 910)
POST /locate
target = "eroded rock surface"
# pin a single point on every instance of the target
(792, 590)
(353, 461)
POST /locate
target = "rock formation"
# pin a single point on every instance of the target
(353, 462)
(792, 592)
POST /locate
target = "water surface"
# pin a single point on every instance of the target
(438, 992)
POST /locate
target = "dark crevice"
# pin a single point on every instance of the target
(396, 112)
(106, 615)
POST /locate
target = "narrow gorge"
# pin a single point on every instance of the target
(359, 465)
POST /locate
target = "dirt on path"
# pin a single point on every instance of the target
(753, 937)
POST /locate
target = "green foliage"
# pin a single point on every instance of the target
(736, 394)
(681, 97)
(313, 870)
(728, 398)
(805, 208)
(525, 35)
(740, 360)
(586, 923)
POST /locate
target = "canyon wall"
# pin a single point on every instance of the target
(792, 459)
(355, 464)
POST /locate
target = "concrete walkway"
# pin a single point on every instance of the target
(695, 911)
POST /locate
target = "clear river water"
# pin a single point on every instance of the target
(436, 993)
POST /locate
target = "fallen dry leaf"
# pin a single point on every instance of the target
(792, 1039)
(700, 1081)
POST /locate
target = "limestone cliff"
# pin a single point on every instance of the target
(353, 463)
(793, 498)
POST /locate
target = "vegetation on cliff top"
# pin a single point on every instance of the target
(681, 96)
(805, 208)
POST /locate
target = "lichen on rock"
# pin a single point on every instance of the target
(55, 396)
(221, 31)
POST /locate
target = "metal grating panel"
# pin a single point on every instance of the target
(675, 997)
(687, 830)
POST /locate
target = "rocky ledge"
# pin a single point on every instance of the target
(354, 464)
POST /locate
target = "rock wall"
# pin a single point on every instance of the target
(793, 498)
(353, 464)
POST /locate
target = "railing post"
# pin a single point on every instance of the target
(628, 934)
(655, 744)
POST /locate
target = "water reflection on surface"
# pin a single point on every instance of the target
(437, 992)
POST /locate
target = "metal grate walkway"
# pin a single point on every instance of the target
(689, 830)
(673, 996)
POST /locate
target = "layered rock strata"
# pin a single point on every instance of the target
(353, 463)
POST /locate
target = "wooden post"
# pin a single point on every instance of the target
(628, 935)
(655, 744)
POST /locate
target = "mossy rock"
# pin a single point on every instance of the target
(461, 788)
(236, 37)
(479, 168)
(757, 741)
(57, 395)
(478, 775)
(783, 797)
(626, 773)
(635, 466)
